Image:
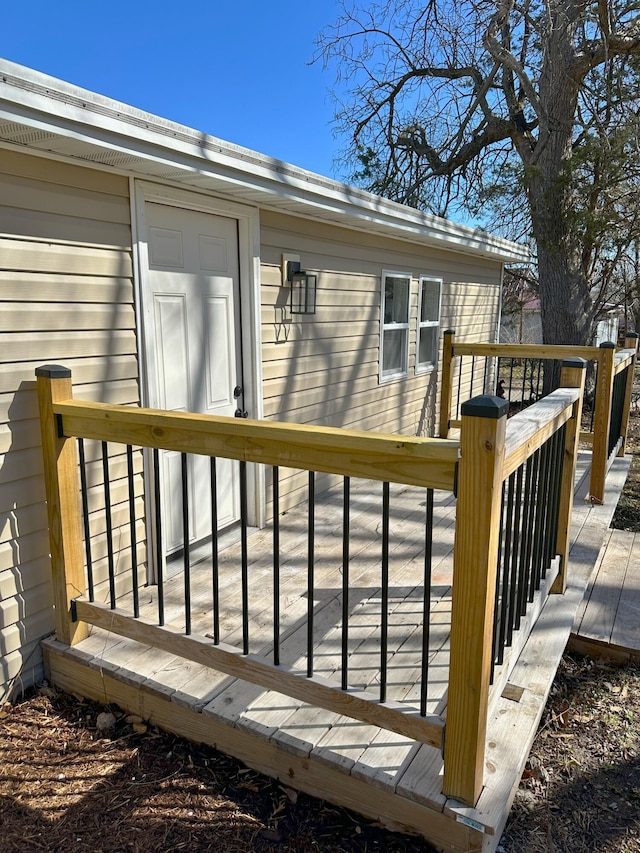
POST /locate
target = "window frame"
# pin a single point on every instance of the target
(389, 327)
(427, 366)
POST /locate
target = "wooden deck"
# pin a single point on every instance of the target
(608, 621)
(319, 752)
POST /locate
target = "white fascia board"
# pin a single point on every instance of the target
(52, 106)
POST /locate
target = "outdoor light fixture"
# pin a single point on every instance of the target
(303, 289)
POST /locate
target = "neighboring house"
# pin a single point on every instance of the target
(522, 323)
(148, 258)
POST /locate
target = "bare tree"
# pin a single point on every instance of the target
(451, 100)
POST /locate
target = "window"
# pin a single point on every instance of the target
(428, 323)
(394, 331)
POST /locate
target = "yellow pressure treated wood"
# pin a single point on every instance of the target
(601, 421)
(300, 772)
(63, 505)
(528, 351)
(474, 579)
(316, 691)
(402, 459)
(530, 429)
(448, 341)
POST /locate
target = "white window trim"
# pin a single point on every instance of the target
(390, 377)
(427, 366)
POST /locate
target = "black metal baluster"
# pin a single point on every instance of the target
(109, 522)
(540, 362)
(506, 569)
(556, 487)
(85, 518)
(515, 556)
(133, 537)
(158, 532)
(511, 360)
(460, 363)
(245, 557)
(524, 381)
(185, 544)
(215, 564)
(473, 373)
(531, 469)
(541, 504)
(276, 565)
(384, 600)
(426, 604)
(617, 407)
(345, 581)
(485, 388)
(499, 592)
(556, 454)
(310, 571)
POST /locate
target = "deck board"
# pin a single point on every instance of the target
(321, 752)
(626, 627)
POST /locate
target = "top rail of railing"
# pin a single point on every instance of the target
(428, 462)
(518, 372)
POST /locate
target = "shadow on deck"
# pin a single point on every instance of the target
(380, 774)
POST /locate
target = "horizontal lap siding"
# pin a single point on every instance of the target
(473, 312)
(323, 369)
(66, 296)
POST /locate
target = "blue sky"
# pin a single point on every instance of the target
(237, 70)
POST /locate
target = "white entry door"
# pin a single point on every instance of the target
(196, 350)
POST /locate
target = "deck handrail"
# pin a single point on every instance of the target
(355, 453)
(425, 462)
(492, 449)
(611, 413)
(488, 454)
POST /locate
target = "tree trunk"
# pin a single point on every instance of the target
(565, 301)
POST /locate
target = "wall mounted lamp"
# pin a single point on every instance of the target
(303, 289)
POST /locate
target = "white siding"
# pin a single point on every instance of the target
(66, 296)
(323, 369)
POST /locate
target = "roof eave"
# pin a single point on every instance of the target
(81, 124)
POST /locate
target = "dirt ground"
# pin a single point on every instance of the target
(73, 779)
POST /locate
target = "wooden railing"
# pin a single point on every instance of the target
(489, 369)
(486, 631)
(492, 578)
(429, 463)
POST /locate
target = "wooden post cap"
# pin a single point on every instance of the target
(485, 406)
(53, 371)
(449, 332)
(575, 361)
(632, 335)
(607, 345)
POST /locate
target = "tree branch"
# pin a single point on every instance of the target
(507, 59)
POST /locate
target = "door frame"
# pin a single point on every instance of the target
(248, 224)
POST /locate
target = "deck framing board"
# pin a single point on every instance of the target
(303, 773)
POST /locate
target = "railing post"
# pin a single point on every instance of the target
(446, 385)
(60, 456)
(630, 342)
(475, 555)
(601, 422)
(572, 376)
